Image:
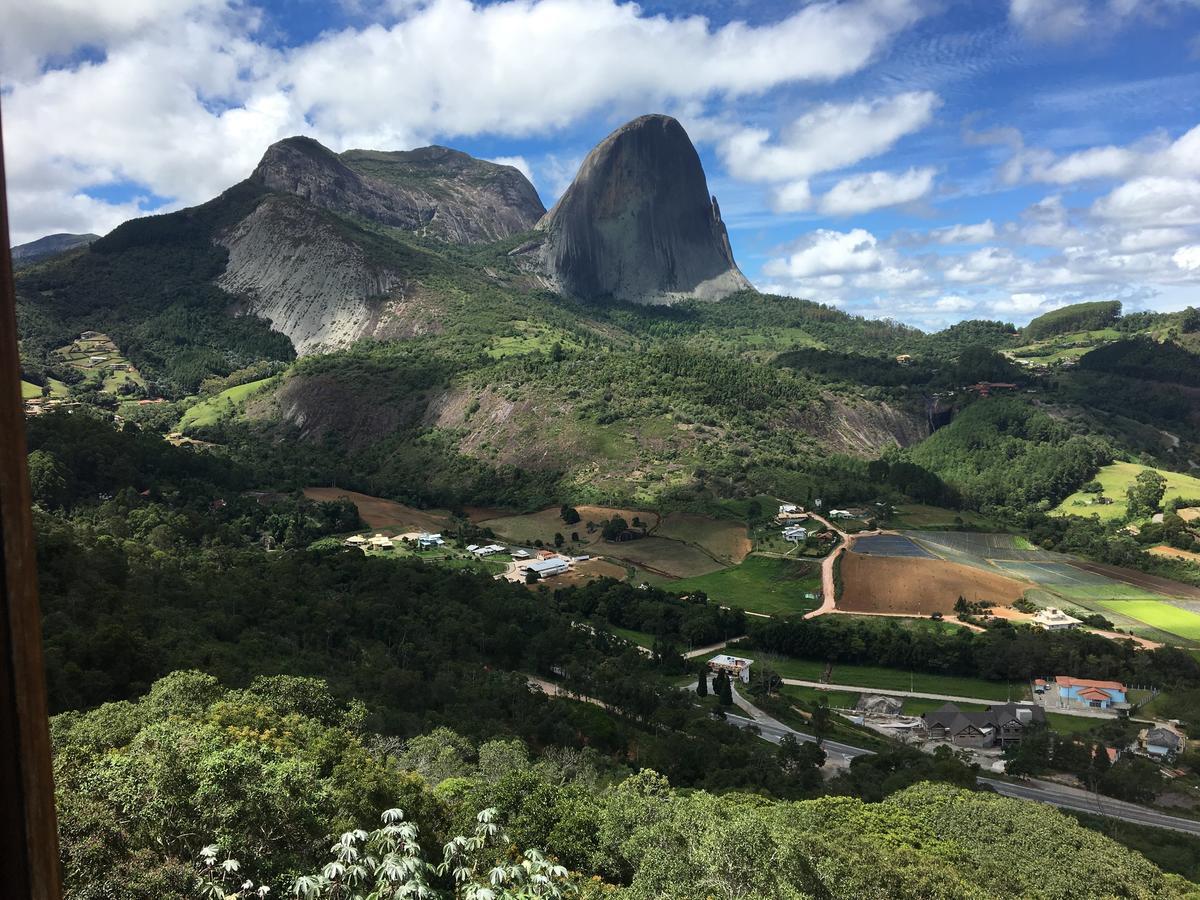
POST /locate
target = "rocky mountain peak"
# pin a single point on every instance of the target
(639, 224)
(432, 190)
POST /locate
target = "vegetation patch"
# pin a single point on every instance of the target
(380, 513)
(228, 403)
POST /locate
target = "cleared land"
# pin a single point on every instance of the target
(724, 539)
(380, 513)
(1175, 553)
(1158, 614)
(1115, 479)
(918, 586)
(543, 524)
(662, 556)
(228, 402)
(762, 584)
(918, 515)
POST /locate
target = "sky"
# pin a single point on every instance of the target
(917, 160)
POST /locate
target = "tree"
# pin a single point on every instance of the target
(1145, 494)
(47, 478)
(702, 683)
(614, 528)
(821, 716)
(723, 689)
(559, 540)
(569, 514)
(531, 576)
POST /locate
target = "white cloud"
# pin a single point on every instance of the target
(828, 253)
(965, 234)
(1187, 258)
(183, 99)
(875, 190)
(792, 197)
(982, 265)
(1152, 200)
(830, 137)
(1064, 20)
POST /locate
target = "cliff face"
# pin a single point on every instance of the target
(289, 264)
(639, 224)
(432, 191)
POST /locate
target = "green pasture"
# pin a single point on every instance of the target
(761, 584)
(1115, 479)
(1158, 614)
(210, 410)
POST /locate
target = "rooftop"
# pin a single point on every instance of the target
(1068, 681)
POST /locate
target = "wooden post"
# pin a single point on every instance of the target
(29, 865)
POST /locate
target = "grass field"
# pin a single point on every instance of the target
(667, 558)
(1115, 479)
(209, 411)
(760, 584)
(386, 514)
(29, 390)
(543, 524)
(640, 638)
(882, 679)
(1158, 614)
(723, 538)
(839, 699)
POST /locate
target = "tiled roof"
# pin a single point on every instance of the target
(1068, 681)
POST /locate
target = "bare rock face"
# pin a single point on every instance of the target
(433, 190)
(290, 264)
(638, 223)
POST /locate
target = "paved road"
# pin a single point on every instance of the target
(1039, 791)
(712, 648)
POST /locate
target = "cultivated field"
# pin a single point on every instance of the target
(986, 546)
(761, 584)
(724, 539)
(890, 545)
(1158, 614)
(1115, 479)
(918, 586)
(380, 513)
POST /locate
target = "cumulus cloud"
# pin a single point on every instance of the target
(875, 190)
(830, 137)
(826, 252)
(1153, 199)
(181, 96)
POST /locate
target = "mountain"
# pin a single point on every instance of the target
(50, 245)
(433, 191)
(638, 223)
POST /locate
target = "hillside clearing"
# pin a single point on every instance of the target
(1115, 479)
(727, 540)
(380, 513)
(1158, 614)
(209, 411)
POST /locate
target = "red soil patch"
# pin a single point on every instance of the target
(918, 587)
(380, 513)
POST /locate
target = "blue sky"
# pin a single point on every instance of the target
(921, 160)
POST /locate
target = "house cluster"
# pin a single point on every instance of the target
(545, 564)
(733, 666)
(1065, 692)
(485, 550)
(1052, 619)
(1002, 725)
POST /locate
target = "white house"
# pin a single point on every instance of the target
(795, 534)
(548, 567)
(520, 554)
(487, 550)
(839, 514)
(786, 509)
(1052, 619)
(426, 540)
(355, 540)
(735, 666)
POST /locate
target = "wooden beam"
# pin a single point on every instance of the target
(29, 863)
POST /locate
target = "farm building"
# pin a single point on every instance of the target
(734, 666)
(795, 534)
(1003, 725)
(786, 509)
(426, 540)
(548, 567)
(486, 550)
(356, 540)
(878, 705)
(1052, 619)
(1085, 693)
(520, 554)
(1160, 742)
(381, 542)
